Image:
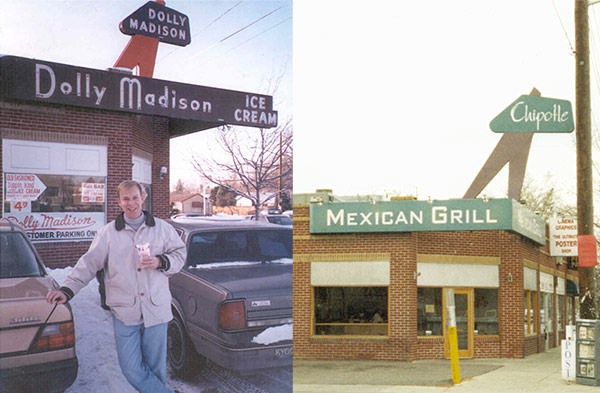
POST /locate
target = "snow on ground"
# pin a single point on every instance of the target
(99, 370)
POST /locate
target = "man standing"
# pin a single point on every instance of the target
(137, 252)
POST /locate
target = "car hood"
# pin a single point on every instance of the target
(242, 278)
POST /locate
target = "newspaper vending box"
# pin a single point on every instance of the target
(588, 352)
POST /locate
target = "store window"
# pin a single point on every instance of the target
(351, 310)
(547, 313)
(56, 191)
(530, 300)
(560, 309)
(561, 304)
(430, 311)
(547, 300)
(486, 311)
(530, 306)
(350, 298)
(429, 304)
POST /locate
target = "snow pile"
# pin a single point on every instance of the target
(283, 261)
(274, 334)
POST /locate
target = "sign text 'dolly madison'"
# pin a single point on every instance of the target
(156, 20)
(42, 81)
(418, 216)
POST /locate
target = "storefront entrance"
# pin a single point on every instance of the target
(463, 301)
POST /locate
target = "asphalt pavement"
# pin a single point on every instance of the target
(536, 373)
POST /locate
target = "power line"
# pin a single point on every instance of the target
(249, 39)
(261, 33)
(219, 17)
(242, 29)
(563, 27)
(205, 28)
(250, 24)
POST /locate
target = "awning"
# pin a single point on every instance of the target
(572, 288)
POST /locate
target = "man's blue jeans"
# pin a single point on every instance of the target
(143, 355)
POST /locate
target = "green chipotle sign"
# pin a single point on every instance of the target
(530, 113)
(420, 216)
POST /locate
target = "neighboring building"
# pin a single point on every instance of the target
(193, 203)
(371, 279)
(245, 202)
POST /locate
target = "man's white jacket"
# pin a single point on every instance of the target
(134, 295)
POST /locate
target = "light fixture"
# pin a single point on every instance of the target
(162, 172)
(509, 277)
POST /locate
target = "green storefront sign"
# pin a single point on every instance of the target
(420, 216)
(530, 113)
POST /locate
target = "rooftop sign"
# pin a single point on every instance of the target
(532, 113)
(42, 81)
(155, 20)
(420, 216)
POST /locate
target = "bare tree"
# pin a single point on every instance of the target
(255, 162)
(545, 200)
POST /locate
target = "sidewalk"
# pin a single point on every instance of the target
(536, 373)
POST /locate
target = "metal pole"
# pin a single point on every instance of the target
(583, 126)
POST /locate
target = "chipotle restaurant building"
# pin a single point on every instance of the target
(370, 279)
(71, 134)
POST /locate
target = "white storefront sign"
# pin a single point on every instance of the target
(23, 186)
(563, 237)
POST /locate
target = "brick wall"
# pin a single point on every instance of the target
(403, 248)
(120, 132)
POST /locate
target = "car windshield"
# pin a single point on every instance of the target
(239, 246)
(17, 259)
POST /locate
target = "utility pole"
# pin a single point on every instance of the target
(583, 126)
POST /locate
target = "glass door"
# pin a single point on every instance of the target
(463, 301)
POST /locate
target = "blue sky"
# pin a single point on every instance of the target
(237, 45)
(387, 96)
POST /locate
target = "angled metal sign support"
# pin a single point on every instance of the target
(512, 149)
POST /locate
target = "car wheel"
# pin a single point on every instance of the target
(180, 350)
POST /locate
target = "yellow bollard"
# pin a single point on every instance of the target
(454, 363)
(452, 335)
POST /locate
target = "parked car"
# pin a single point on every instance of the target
(37, 339)
(236, 285)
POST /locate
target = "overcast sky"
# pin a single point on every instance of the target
(397, 97)
(388, 96)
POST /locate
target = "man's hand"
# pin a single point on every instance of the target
(149, 262)
(56, 296)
